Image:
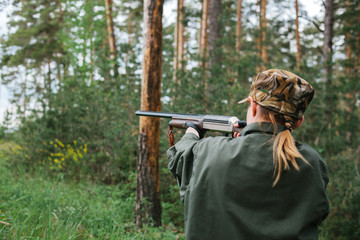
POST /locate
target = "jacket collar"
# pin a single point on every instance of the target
(263, 127)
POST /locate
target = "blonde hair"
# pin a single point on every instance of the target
(284, 148)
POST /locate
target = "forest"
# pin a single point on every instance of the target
(72, 149)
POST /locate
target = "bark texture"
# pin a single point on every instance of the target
(327, 58)
(298, 47)
(203, 29)
(357, 47)
(179, 40)
(261, 40)
(111, 36)
(263, 23)
(147, 183)
(214, 33)
(328, 37)
(238, 26)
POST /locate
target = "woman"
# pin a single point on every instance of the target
(260, 184)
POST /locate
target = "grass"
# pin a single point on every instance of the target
(35, 207)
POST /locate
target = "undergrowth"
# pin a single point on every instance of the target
(39, 207)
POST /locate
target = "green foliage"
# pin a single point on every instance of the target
(344, 194)
(83, 101)
(61, 158)
(34, 207)
(80, 114)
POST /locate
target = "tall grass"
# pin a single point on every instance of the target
(37, 207)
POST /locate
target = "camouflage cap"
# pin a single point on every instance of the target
(281, 91)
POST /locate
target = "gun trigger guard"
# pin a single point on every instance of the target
(171, 136)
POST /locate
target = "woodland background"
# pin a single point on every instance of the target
(69, 147)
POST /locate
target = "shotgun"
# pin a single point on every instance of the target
(206, 122)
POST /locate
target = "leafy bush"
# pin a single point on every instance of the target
(68, 159)
(344, 195)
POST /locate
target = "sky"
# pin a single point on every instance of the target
(4, 93)
(313, 7)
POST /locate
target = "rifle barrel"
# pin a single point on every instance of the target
(166, 115)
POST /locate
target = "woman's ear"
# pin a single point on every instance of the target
(298, 123)
(253, 105)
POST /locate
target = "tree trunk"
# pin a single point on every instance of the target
(298, 53)
(357, 47)
(214, 33)
(263, 23)
(327, 68)
(203, 46)
(111, 36)
(129, 32)
(238, 26)
(203, 30)
(147, 182)
(48, 83)
(357, 60)
(261, 40)
(61, 13)
(328, 36)
(179, 40)
(92, 52)
(58, 65)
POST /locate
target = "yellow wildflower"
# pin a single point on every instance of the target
(79, 154)
(59, 142)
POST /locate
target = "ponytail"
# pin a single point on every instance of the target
(284, 148)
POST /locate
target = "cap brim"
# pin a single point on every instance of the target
(244, 100)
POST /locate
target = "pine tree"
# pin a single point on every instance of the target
(328, 61)
(179, 40)
(37, 48)
(263, 29)
(111, 36)
(215, 7)
(297, 33)
(203, 35)
(238, 26)
(147, 184)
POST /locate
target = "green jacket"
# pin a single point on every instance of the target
(226, 186)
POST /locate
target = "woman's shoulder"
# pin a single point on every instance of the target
(305, 148)
(311, 155)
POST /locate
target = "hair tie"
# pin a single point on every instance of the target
(288, 125)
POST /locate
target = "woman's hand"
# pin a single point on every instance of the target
(238, 130)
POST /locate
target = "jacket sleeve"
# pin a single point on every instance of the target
(324, 175)
(181, 159)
